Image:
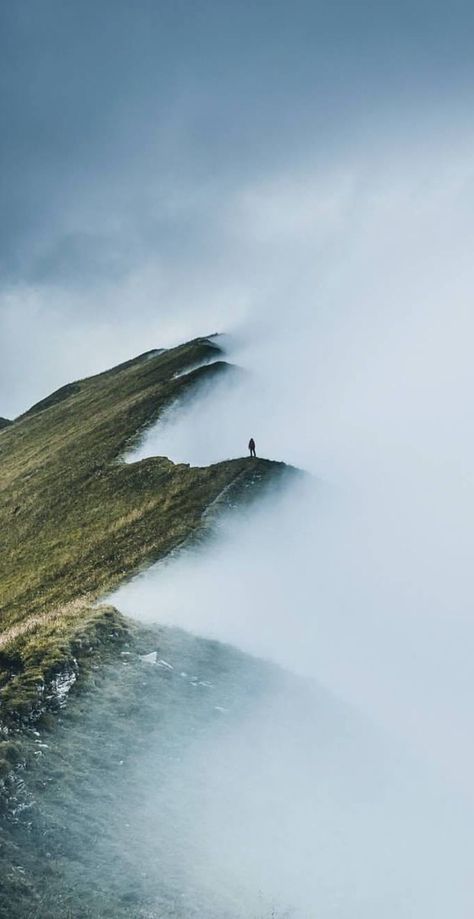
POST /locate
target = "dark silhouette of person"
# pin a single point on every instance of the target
(252, 447)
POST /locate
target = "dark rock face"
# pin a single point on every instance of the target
(4, 422)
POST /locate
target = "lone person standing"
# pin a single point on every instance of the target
(252, 447)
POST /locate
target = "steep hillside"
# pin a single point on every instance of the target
(75, 521)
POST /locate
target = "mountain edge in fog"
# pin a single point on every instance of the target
(76, 522)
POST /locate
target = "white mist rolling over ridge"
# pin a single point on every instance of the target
(360, 372)
(366, 383)
(307, 804)
(359, 578)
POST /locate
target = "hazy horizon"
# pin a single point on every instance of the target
(172, 169)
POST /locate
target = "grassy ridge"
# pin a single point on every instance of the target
(75, 522)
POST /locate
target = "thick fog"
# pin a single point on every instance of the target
(296, 808)
(366, 384)
(358, 576)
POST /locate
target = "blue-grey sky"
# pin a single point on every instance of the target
(133, 130)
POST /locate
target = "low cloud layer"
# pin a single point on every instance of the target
(363, 579)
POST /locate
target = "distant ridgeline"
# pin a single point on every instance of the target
(4, 422)
(75, 521)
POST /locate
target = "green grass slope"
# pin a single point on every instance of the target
(75, 521)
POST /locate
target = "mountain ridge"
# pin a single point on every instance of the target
(75, 521)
